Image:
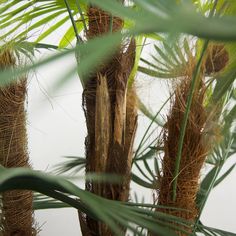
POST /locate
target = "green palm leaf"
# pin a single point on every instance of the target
(95, 206)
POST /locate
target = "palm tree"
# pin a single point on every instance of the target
(196, 142)
(109, 102)
(17, 205)
(111, 117)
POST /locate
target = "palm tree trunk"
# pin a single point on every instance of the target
(196, 145)
(111, 117)
(194, 152)
(16, 205)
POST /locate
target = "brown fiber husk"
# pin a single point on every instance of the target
(194, 152)
(17, 208)
(99, 22)
(217, 58)
(111, 118)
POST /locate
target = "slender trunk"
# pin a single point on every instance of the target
(194, 152)
(196, 145)
(111, 117)
(17, 205)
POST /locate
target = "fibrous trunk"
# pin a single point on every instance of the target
(217, 58)
(111, 117)
(194, 151)
(196, 144)
(16, 205)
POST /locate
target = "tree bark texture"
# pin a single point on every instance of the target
(111, 118)
(17, 206)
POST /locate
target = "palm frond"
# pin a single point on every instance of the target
(148, 17)
(210, 231)
(89, 54)
(169, 61)
(96, 207)
(73, 164)
(220, 155)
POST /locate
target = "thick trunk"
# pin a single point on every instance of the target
(17, 205)
(111, 116)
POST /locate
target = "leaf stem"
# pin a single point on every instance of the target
(79, 39)
(111, 23)
(82, 15)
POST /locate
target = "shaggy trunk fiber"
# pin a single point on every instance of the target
(17, 217)
(196, 143)
(194, 152)
(217, 58)
(111, 117)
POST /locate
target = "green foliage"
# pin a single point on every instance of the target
(169, 61)
(161, 21)
(95, 206)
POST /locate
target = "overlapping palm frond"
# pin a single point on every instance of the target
(95, 206)
(148, 17)
(209, 231)
(169, 61)
(73, 164)
(24, 19)
(143, 17)
(130, 215)
(224, 147)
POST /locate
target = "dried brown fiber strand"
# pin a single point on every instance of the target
(111, 118)
(17, 210)
(99, 22)
(217, 58)
(194, 152)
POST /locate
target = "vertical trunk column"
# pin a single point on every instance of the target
(111, 117)
(17, 205)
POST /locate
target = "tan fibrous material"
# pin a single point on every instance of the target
(17, 210)
(99, 22)
(194, 152)
(111, 118)
(217, 58)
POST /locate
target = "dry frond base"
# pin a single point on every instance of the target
(99, 22)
